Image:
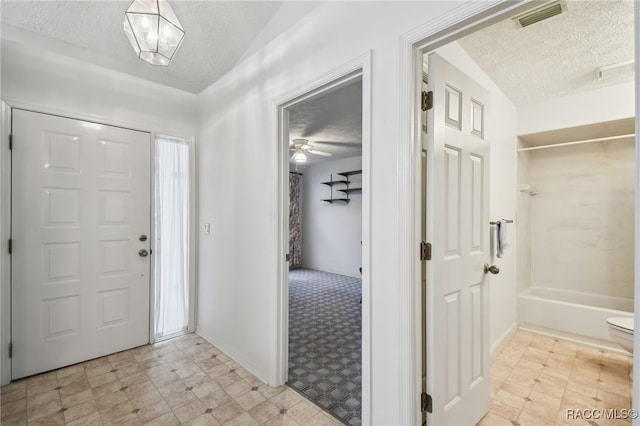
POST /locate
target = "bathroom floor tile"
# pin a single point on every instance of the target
(538, 380)
(522, 392)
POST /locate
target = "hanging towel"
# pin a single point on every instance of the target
(502, 237)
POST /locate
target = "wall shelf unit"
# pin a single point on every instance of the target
(349, 190)
(353, 172)
(335, 182)
(335, 200)
(346, 190)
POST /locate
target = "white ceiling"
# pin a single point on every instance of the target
(332, 122)
(558, 56)
(552, 58)
(218, 33)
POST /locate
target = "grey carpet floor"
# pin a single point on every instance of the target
(325, 335)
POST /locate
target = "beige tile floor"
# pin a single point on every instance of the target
(180, 381)
(536, 379)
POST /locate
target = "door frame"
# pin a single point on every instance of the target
(5, 232)
(464, 20)
(6, 107)
(356, 68)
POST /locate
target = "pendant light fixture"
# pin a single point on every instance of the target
(153, 30)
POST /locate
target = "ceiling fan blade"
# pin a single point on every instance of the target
(338, 144)
(298, 143)
(324, 154)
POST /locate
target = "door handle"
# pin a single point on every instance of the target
(143, 253)
(491, 268)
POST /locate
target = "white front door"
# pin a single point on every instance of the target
(458, 227)
(80, 205)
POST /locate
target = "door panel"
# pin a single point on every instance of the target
(80, 199)
(457, 226)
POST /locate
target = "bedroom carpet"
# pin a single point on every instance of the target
(325, 329)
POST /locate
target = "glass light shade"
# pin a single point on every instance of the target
(299, 157)
(153, 30)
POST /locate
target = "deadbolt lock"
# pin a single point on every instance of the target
(143, 237)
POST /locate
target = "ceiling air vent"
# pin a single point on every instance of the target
(541, 13)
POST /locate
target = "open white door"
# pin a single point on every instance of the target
(458, 227)
(80, 234)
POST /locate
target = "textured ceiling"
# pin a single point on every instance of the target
(558, 56)
(217, 34)
(331, 122)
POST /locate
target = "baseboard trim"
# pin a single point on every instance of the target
(230, 352)
(497, 347)
(578, 340)
(332, 271)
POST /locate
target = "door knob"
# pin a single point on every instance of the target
(491, 268)
(142, 253)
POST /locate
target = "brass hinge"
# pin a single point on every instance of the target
(10, 142)
(425, 251)
(10, 246)
(11, 350)
(426, 404)
(427, 100)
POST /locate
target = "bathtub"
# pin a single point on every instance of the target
(580, 317)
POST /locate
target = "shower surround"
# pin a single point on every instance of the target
(576, 238)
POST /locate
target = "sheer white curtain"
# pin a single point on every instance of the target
(171, 237)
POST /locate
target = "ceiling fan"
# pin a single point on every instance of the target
(301, 147)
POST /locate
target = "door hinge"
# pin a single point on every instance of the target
(10, 246)
(287, 257)
(427, 100)
(10, 142)
(11, 350)
(426, 404)
(425, 251)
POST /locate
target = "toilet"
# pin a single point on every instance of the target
(621, 331)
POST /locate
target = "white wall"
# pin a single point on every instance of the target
(596, 252)
(501, 134)
(523, 221)
(236, 124)
(582, 219)
(48, 82)
(331, 233)
(606, 104)
(52, 82)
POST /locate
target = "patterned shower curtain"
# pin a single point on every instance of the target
(295, 224)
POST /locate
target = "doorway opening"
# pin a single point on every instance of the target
(325, 251)
(330, 262)
(538, 163)
(80, 286)
(93, 202)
